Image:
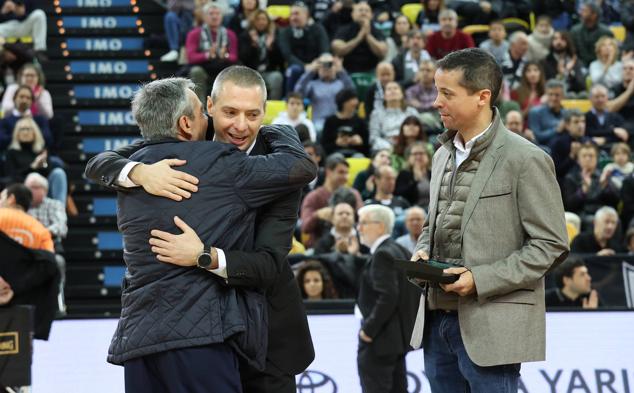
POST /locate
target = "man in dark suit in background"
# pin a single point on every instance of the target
(388, 303)
(290, 348)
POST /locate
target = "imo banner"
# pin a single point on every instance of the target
(587, 352)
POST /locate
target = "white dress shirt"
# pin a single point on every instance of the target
(463, 150)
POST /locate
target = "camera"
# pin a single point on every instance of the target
(327, 64)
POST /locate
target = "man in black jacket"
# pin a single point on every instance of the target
(388, 303)
(290, 348)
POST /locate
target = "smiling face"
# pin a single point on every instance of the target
(237, 114)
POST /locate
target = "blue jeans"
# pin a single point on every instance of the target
(176, 27)
(448, 366)
(58, 185)
(293, 73)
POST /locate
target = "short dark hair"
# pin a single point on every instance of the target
(567, 269)
(302, 132)
(336, 159)
(23, 87)
(344, 96)
(570, 113)
(343, 195)
(22, 194)
(479, 69)
(296, 95)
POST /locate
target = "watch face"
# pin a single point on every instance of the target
(204, 260)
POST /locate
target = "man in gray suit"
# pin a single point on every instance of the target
(495, 212)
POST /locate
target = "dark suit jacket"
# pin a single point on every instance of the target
(594, 129)
(388, 301)
(290, 345)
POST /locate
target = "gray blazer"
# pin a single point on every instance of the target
(513, 232)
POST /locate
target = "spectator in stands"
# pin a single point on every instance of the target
(515, 59)
(603, 239)
(620, 167)
(514, 121)
(565, 145)
(547, 119)
(26, 154)
(17, 224)
(32, 76)
(428, 19)
(414, 221)
(411, 131)
(6, 293)
(540, 40)
(344, 132)
(320, 83)
(314, 282)
(178, 20)
(385, 122)
(413, 181)
(342, 237)
(319, 9)
(497, 44)
(627, 197)
(603, 126)
(574, 287)
(301, 43)
(627, 19)
(240, 20)
(583, 192)
(606, 69)
(360, 43)
(399, 40)
(364, 182)
(376, 92)
(587, 32)
(531, 88)
(295, 114)
(476, 12)
(629, 241)
(385, 181)
(258, 49)
(562, 64)
(315, 211)
(22, 102)
(422, 94)
(610, 10)
(340, 14)
(449, 38)
(210, 49)
(21, 18)
(409, 61)
(316, 152)
(623, 102)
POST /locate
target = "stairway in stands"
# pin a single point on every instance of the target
(98, 57)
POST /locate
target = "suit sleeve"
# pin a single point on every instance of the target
(105, 167)
(542, 219)
(262, 267)
(385, 282)
(262, 179)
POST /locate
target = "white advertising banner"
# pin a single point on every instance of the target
(590, 352)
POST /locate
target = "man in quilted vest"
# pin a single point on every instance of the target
(496, 213)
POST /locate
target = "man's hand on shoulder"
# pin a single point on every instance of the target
(161, 180)
(182, 250)
(465, 284)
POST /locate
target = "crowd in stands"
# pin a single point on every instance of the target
(358, 81)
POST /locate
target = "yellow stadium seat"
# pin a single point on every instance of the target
(361, 110)
(583, 105)
(273, 108)
(24, 40)
(619, 32)
(516, 21)
(357, 164)
(532, 20)
(279, 11)
(411, 11)
(475, 29)
(572, 232)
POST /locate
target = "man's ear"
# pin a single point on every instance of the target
(485, 97)
(185, 128)
(210, 105)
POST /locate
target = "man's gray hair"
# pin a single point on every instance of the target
(211, 5)
(37, 179)
(518, 35)
(158, 105)
(605, 210)
(240, 76)
(380, 213)
(415, 209)
(598, 86)
(448, 13)
(555, 84)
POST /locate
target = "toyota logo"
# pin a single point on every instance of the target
(315, 382)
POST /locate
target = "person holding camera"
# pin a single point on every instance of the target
(19, 18)
(345, 132)
(320, 83)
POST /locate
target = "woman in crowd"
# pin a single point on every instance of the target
(364, 182)
(385, 122)
(314, 281)
(412, 182)
(532, 87)
(412, 131)
(607, 69)
(27, 154)
(345, 132)
(240, 20)
(257, 49)
(397, 41)
(427, 19)
(30, 75)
